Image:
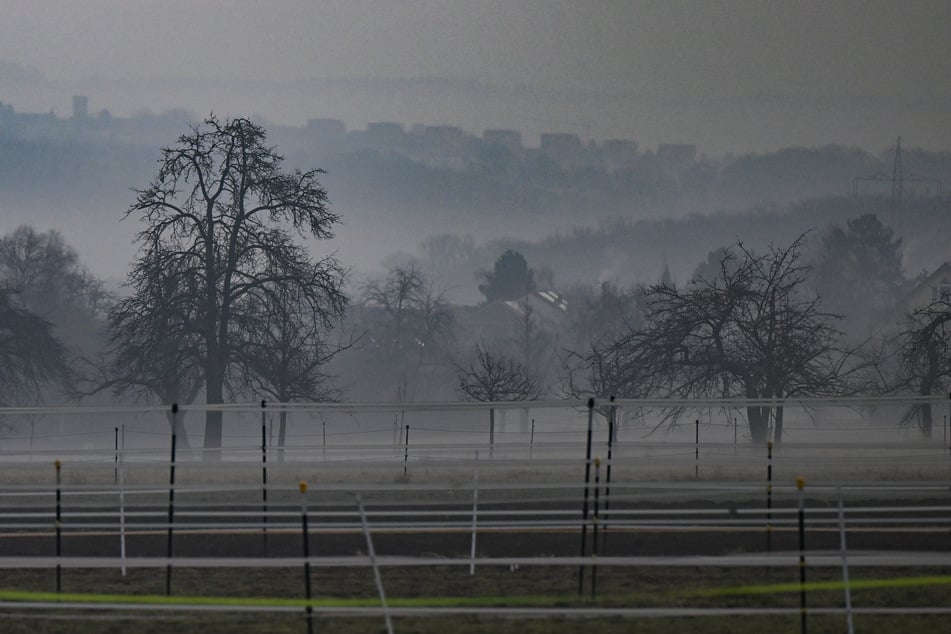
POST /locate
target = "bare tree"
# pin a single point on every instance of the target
(534, 343)
(409, 327)
(491, 377)
(30, 356)
(154, 348)
(52, 283)
(750, 331)
(221, 217)
(593, 364)
(924, 355)
(285, 350)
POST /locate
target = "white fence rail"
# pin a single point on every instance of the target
(550, 467)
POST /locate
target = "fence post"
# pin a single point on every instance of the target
(696, 450)
(845, 564)
(59, 526)
(584, 508)
(406, 451)
(304, 531)
(475, 510)
(264, 472)
(171, 504)
(531, 441)
(491, 432)
(769, 496)
(594, 529)
(376, 568)
(612, 429)
(800, 483)
(121, 483)
(115, 473)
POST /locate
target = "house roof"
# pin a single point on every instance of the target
(925, 290)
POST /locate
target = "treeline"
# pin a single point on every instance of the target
(843, 316)
(225, 301)
(630, 252)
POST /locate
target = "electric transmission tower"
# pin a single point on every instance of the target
(897, 178)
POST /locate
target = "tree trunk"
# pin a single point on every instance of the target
(759, 424)
(778, 431)
(177, 425)
(491, 430)
(214, 396)
(281, 436)
(924, 420)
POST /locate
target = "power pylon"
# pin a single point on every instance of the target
(897, 178)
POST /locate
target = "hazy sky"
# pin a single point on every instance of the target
(609, 63)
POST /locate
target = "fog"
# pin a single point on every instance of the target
(730, 78)
(602, 146)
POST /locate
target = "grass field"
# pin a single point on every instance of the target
(681, 502)
(534, 587)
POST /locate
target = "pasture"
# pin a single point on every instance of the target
(423, 519)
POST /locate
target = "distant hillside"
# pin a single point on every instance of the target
(636, 251)
(617, 212)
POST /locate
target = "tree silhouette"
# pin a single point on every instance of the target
(925, 357)
(52, 283)
(221, 218)
(30, 356)
(750, 331)
(509, 279)
(491, 377)
(285, 347)
(154, 348)
(858, 272)
(410, 328)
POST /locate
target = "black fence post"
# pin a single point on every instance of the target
(491, 432)
(59, 527)
(594, 529)
(769, 496)
(612, 427)
(531, 441)
(800, 483)
(264, 472)
(171, 504)
(696, 450)
(584, 508)
(305, 532)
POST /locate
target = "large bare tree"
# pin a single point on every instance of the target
(749, 330)
(228, 223)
